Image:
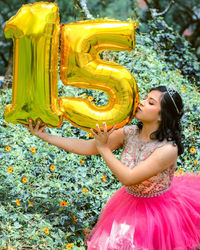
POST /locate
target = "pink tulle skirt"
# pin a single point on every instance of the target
(168, 221)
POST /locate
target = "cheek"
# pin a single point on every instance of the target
(152, 111)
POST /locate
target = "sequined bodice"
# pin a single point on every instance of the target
(135, 151)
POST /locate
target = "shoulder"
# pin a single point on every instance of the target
(116, 139)
(120, 136)
(168, 148)
(130, 130)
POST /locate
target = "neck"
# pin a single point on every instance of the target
(147, 130)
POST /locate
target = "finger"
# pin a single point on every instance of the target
(92, 131)
(30, 124)
(112, 129)
(38, 124)
(104, 127)
(98, 128)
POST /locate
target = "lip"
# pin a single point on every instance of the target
(138, 109)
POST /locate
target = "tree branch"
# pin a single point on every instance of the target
(154, 12)
(4, 59)
(189, 10)
(82, 4)
(147, 3)
(195, 35)
(187, 25)
(191, 16)
(157, 4)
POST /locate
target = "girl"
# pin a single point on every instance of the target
(154, 210)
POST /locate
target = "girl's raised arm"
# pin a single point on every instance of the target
(73, 145)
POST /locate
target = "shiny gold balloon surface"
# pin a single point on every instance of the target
(35, 33)
(81, 67)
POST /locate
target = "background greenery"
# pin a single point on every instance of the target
(36, 179)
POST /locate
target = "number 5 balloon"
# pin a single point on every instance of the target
(35, 32)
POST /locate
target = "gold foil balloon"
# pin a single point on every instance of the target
(35, 33)
(82, 67)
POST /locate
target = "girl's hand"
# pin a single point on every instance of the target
(101, 138)
(39, 129)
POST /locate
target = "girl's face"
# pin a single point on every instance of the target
(148, 110)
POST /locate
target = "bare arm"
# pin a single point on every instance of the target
(158, 161)
(73, 145)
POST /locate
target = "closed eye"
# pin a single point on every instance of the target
(150, 101)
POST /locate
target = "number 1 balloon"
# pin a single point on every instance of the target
(35, 31)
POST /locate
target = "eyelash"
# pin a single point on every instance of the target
(149, 102)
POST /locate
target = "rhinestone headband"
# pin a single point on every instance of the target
(170, 91)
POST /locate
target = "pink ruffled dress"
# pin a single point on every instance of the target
(161, 213)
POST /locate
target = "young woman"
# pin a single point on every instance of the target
(154, 210)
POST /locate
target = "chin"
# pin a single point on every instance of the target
(137, 116)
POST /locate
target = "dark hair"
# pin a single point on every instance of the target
(171, 113)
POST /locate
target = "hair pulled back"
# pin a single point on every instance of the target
(170, 127)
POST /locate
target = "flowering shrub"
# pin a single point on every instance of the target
(50, 198)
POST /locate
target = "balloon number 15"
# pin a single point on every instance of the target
(35, 31)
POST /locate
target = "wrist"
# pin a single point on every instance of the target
(44, 136)
(103, 149)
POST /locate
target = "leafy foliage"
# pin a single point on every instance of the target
(182, 16)
(32, 205)
(112, 9)
(175, 49)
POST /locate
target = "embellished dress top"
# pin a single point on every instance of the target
(136, 151)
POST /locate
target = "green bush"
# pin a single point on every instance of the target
(175, 50)
(37, 178)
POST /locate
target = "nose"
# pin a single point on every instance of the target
(142, 102)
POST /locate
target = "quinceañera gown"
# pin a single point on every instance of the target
(161, 213)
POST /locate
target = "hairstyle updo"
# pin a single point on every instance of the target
(170, 113)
